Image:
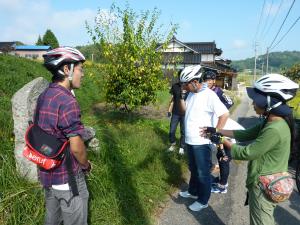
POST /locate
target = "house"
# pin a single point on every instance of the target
(179, 54)
(7, 47)
(31, 51)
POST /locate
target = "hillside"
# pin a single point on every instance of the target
(277, 61)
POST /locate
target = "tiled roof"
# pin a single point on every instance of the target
(4, 45)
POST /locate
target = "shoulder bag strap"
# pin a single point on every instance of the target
(72, 180)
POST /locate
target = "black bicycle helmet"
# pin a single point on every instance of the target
(209, 75)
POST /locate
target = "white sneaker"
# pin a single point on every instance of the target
(197, 206)
(181, 151)
(171, 148)
(186, 194)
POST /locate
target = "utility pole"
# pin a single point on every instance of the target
(267, 69)
(92, 57)
(255, 58)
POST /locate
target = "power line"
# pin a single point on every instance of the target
(267, 20)
(274, 18)
(286, 32)
(282, 23)
(261, 13)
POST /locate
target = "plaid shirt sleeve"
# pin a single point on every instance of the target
(69, 121)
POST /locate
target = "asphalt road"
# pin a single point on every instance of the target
(229, 208)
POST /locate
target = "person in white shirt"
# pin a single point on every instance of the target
(200, 107)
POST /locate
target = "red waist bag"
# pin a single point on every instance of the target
(43, 149)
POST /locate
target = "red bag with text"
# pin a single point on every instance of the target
(43, 149)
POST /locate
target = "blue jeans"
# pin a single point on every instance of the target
(175, 119)
(224, 166)
(199, 157)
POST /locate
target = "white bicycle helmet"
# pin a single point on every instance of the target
(189, 73)
(277, 86)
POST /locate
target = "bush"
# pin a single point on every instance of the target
(132, 66)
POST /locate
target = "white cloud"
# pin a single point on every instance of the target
(11, 5)
(70, 20)
(239, 44)
(25, 20)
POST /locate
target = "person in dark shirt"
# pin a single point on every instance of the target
(177, 117)
(220, 184)
(210, 78)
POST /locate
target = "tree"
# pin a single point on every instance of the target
(39, 41)
(50, 39)
(18, 43)
(293, 72)
(91, 52)
(128, 46)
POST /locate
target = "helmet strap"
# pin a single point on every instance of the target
(194, 86)
(269, 108)
(71, 72)
(70, 77)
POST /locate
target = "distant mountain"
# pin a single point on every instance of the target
(277, 61)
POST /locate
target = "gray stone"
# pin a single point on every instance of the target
(23, 106)
(89, 133)
(93, 145)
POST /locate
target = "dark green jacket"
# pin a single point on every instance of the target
(268, 154)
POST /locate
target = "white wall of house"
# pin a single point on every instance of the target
(175, 47)
(30, 54)
(207, 58)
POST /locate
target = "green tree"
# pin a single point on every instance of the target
(91, 52)
(50, 39)
(293, 72)
(132, 65)
(39, 41)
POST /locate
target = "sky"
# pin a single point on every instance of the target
(236, 26)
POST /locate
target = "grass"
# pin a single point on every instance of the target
(133, 171)
(131, 174)
(247, 79)
(295, 103)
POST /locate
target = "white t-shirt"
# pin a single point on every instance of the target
(200, 110)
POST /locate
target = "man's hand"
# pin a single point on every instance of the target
(177, 91)
(211, 130)
(86, 169)
(216, 138)
(207, 131)
(221, 154)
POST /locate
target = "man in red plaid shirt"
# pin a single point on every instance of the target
(59, 115)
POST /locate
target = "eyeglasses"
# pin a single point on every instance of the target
(81, 70)
(185, 83)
